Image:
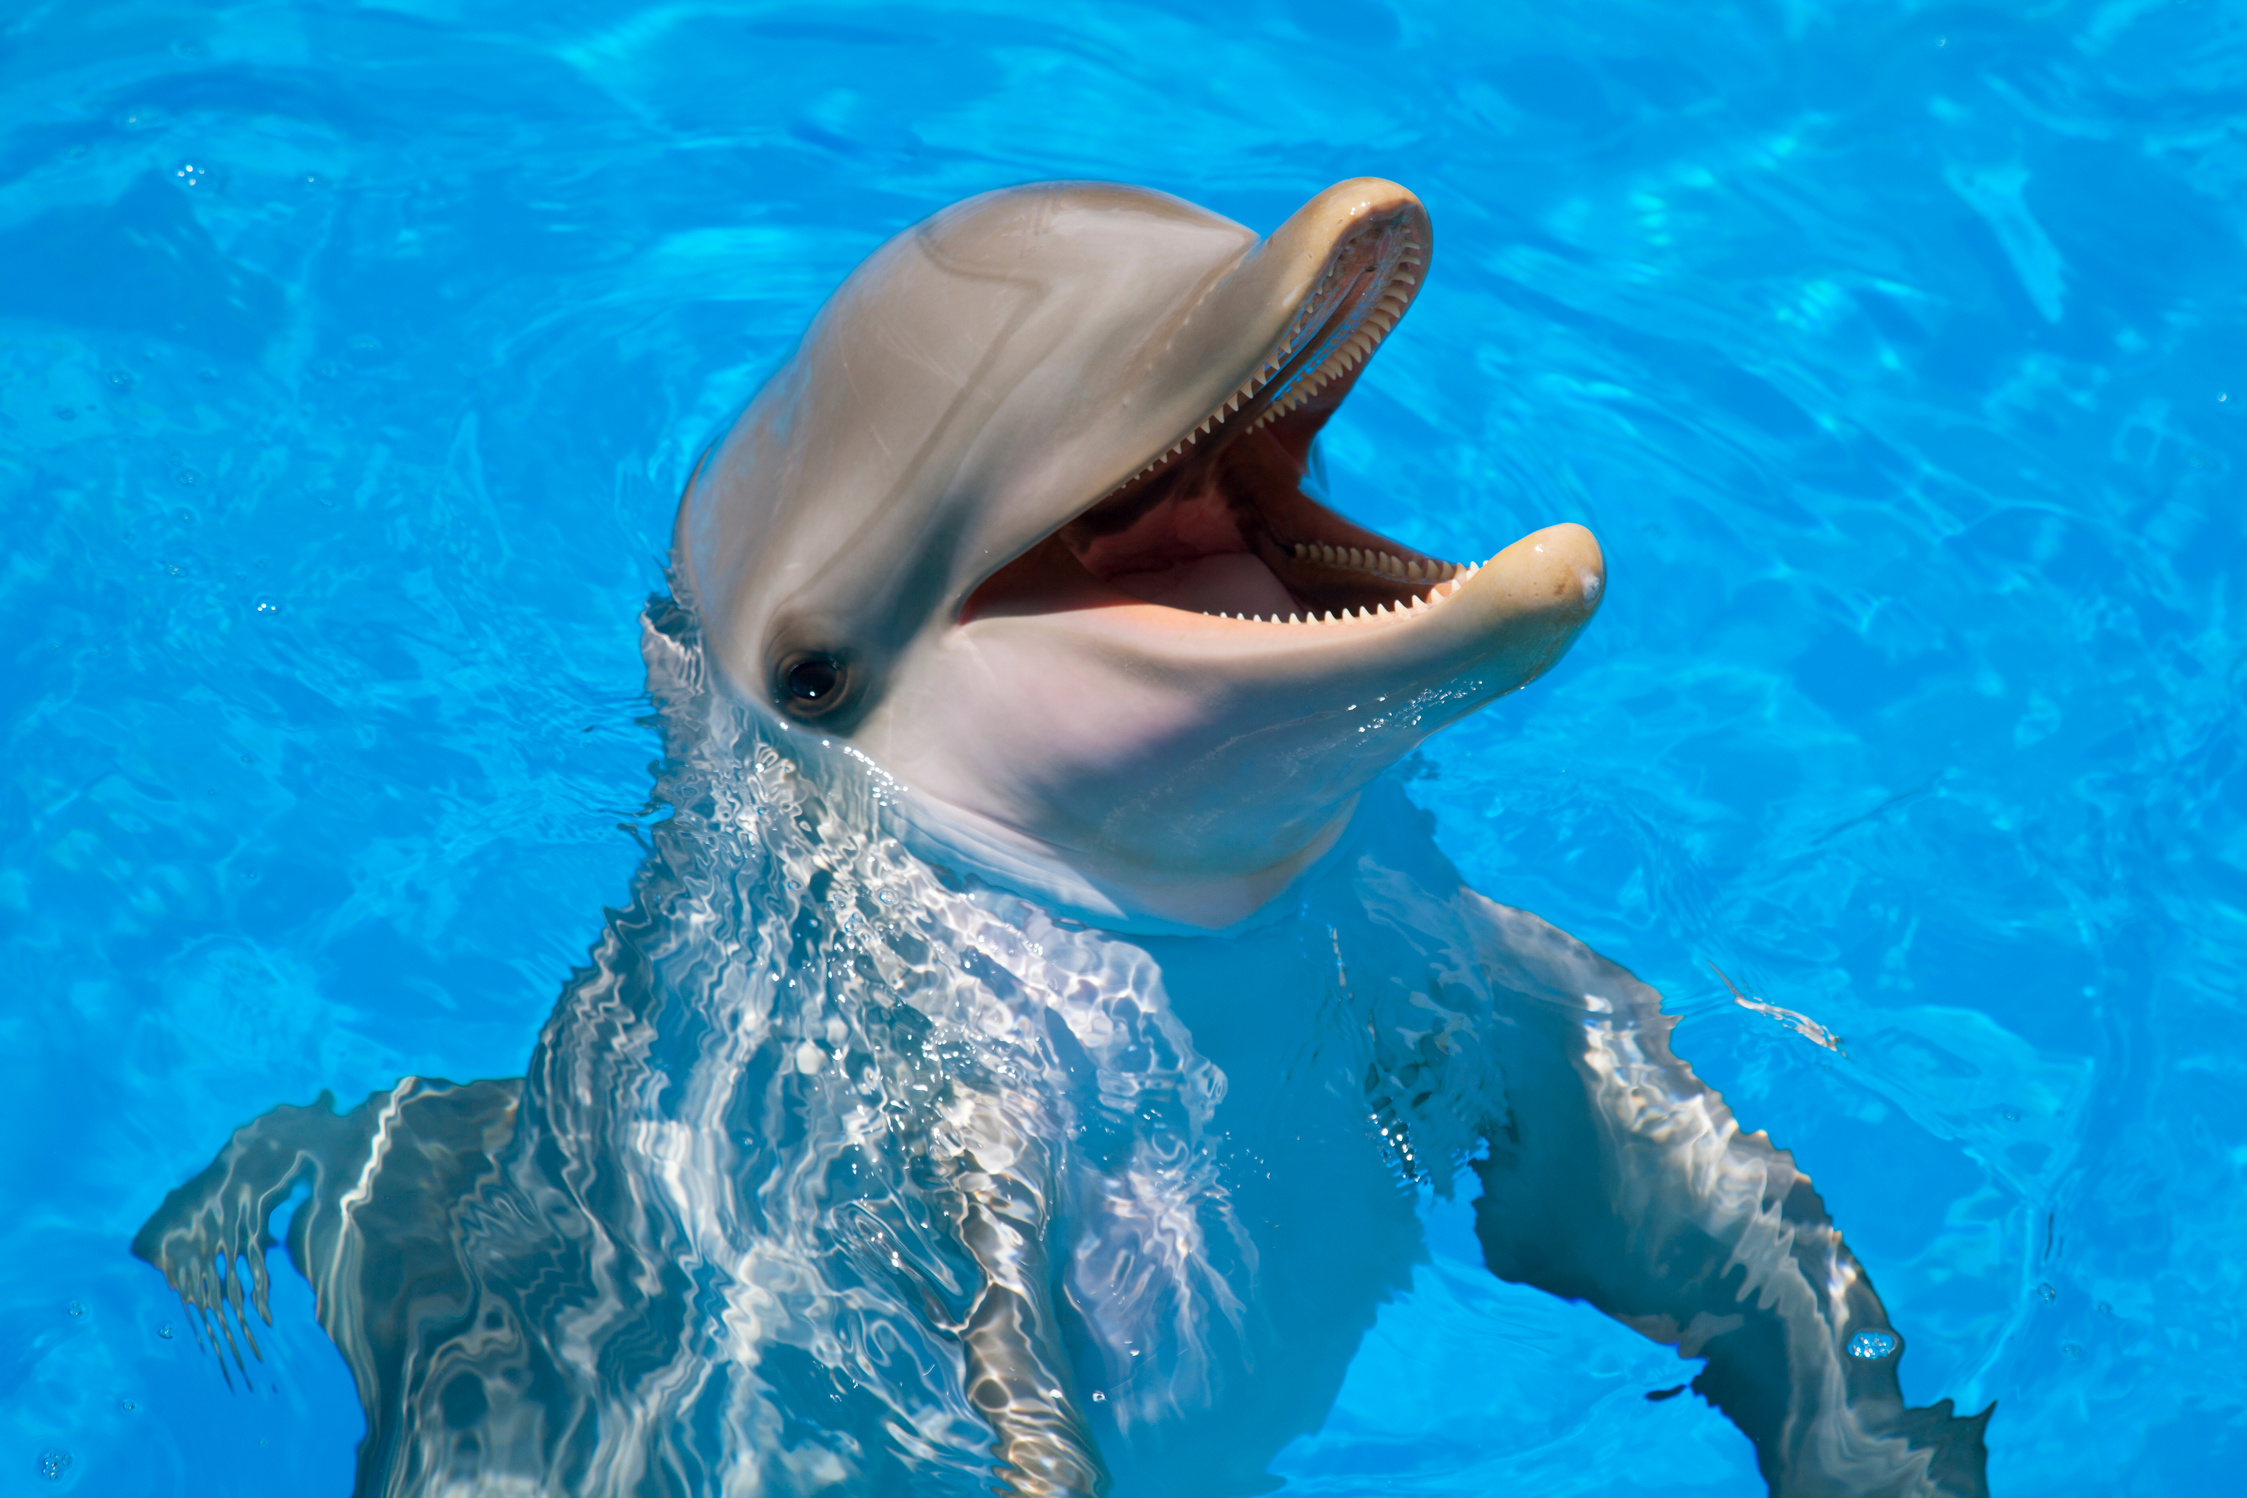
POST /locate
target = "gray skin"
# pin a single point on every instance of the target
(992, 530)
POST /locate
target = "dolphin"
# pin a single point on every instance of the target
(1027, 1043)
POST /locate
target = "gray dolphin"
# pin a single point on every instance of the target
(954, 1100)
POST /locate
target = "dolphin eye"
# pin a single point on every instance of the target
(812, 679)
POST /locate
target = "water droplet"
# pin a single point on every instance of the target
(120, 379)
(127, 1405)
(365, 343)
(2010, 1115)
(1098, 1397)
(187, 478)
(1873, 1344)
(325, 369)
(165, 1331)
(249, 759)
(52, 1464)
(2103, 1309)
(64, 413)
(77, 1308)
(267, 608)
(2047, 1293)
(2071, 1349)
(190, 174)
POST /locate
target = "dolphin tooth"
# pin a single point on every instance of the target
(1412, 570)
(1357, 557)
(1330, 617)
(1299, 548)
(1295, 618)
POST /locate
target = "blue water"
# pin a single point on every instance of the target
(352, 359)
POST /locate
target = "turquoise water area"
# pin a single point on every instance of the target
(352, 358)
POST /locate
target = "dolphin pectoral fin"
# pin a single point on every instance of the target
(1018, 1374)
(210, 1235)
(1622, 1179)
(384, 1176)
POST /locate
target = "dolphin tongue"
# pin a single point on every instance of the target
(1228, 582)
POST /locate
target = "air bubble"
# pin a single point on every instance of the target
(1873, 1344)
(52, 1464)
(76, 1308)
(165, 1331)
(2071, 1349)
(2047, 1293)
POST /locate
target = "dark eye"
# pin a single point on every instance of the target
(813, 679)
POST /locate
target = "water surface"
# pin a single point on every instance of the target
(352, 358)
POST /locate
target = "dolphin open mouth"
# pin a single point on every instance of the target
(1218, 524)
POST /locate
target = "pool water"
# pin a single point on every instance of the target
(352, 358)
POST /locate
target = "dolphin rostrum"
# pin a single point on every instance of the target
(1018, 1057)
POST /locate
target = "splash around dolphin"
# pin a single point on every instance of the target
(1022, 1054)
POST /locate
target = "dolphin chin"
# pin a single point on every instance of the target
(1024, 519)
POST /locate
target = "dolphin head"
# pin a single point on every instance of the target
(1023, 521)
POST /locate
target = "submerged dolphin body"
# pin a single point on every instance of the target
(1016, 1057)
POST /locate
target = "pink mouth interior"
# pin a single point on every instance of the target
(1225, 532)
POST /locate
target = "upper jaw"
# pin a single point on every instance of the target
(1212, 538)
(1266, 348)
